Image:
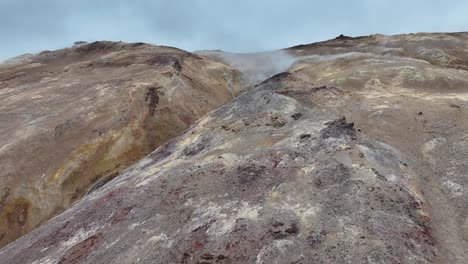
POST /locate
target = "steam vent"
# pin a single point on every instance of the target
(351, 150)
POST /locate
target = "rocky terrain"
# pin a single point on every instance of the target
(355, 153)
(72, 119)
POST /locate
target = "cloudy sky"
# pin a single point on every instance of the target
(29, 26)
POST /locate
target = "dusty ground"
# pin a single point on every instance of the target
(356, 154)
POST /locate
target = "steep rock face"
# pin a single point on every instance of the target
(356, 154)
(72, 119)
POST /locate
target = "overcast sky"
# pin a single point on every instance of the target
(29, 26)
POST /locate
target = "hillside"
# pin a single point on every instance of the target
(73, 119)
(356, 153)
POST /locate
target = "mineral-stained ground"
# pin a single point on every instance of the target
(354, 151)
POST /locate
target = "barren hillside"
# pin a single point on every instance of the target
(72, 119)
(356, 153)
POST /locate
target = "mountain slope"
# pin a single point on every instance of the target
(356, 154)
(75, 118)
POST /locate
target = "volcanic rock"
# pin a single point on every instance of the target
(329, 162)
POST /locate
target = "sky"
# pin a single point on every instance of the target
(30, 26)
